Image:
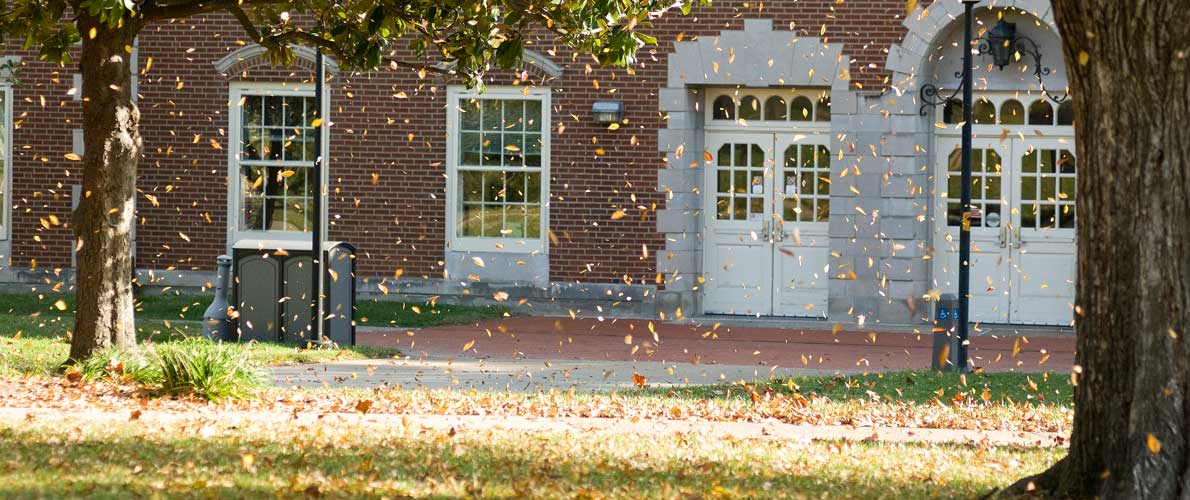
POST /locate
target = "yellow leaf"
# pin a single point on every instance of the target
(1083, 58)
(909, 6)
(73, 157)
(247, 460)
(1154, 444)
(184, 237)
(60, 305)
(287, 174)
(467, 346)
(618, 214)
(317, 122)
(614, 126)
(478, 261)
(93, 33)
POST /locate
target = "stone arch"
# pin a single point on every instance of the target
(253, 55)
(532, 62)
(909, 59)
(756, 56)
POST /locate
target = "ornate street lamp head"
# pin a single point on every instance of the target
(1002, 43)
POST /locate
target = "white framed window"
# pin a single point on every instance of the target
(271, 160)
(497, 156)
(6, 162)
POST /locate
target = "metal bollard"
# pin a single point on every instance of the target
(946, 335)
(216, 323)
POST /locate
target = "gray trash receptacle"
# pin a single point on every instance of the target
(946, 334)
(339, 305)
(272, 285)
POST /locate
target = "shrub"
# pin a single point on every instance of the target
(206, 369)
(119, 366)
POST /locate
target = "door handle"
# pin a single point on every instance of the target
(779, 230)
(1003, 236)
(766, 232)
(1016, 235)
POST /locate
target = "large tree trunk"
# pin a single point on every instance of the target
(104, 218)
(1129, 65)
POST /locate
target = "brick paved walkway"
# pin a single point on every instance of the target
(633, 340)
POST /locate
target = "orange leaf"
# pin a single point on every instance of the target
(638, 379)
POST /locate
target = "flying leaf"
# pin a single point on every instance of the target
(1154, 444)
(618, 214)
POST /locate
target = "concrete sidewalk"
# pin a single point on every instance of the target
(523, 375)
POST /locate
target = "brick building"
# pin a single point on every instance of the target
(770, 160)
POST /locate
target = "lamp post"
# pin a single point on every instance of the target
(317, 339)
(1003, 44)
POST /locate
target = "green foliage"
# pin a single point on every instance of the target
(206, 369)
(119, 366)
(474, 35)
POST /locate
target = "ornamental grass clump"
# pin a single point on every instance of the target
(205, 369)
(120, 366)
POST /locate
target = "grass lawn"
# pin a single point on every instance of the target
(909, 386)
(34, 328)
(73, 458)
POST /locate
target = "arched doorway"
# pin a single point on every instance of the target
(767, 201)
(1024, 172)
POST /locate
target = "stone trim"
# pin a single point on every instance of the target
(253, 55)
(757, 56)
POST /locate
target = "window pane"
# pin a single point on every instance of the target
(493, 186)
(533, 150)
(515, 187)
(253, 214)
(471, 223)
(533, 116)
(984, 112)
(491, 114)
(775, 108)
(472, 186)
(468, 114)
(749, 108)
(470, 149)
(251, 111)
(493, 148)
(273, 111)
(295, 109)
(822, 110)
(1041, 113)
(533, 187)
(533, 221)
(493, 220)
(801, 109)
(724, 108)
(1012, 112)
(824, 210)
(514, 147)
(514, 116)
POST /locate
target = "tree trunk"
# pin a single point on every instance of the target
(104, 218)
(1129, 73)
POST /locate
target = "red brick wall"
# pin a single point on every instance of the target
(397, 221)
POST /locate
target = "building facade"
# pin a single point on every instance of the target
(772, 159)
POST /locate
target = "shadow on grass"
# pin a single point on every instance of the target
(906, 386)
(121, 460)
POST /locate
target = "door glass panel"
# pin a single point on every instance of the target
(985, 188)
(806, 170)
(739, 176)
(1048, 181)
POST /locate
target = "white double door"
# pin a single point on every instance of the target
(1022, 228)
(766, 246)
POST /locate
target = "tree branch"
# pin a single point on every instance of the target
(154, 11)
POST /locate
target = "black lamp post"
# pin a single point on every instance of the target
(317, 339)
(1004, 45)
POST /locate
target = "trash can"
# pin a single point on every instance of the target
(946, 334)
(272, 287)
